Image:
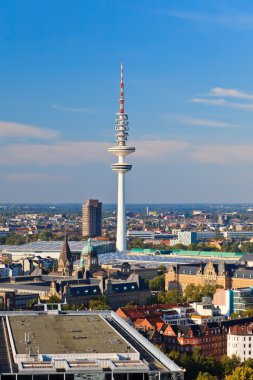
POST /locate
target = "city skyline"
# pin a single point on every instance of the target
(189, 98)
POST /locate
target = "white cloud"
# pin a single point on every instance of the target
(64, 153)
(157, 150)
(229, 18)
(71, 109)
(72, 153)
(213, 102)
(226, 92)
(9, 129)
(207, 123)
(223, 103)
(223, 154)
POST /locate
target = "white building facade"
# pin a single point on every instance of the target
(240, 342)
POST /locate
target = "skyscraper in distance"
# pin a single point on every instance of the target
(121, 150)
(92, 218)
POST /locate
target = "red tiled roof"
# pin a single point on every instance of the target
(241, 330)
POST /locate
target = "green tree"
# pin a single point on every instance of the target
(99, 303)
(180, 246)
(135, 243)
(229, 364)
(32, 302)
(247, 248)
(241, 373)
(46, 235)
(208, 290)
(234, 248)
(192, 247)
(175, 356)
(192, 293)
(54, 299)
(162, 268)
(206, 376)
(2, 240)
(14, 239)
(157, 283)
(169, 296)
(152, 300)
(68, 307)
(130, 304)
(249, 363)
(242, 314)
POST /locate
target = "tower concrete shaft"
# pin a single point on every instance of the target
(121, 167)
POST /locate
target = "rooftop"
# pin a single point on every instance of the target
(58, 334)
(77, 342)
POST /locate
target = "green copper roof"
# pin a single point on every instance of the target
(181, 252)
(88, 249)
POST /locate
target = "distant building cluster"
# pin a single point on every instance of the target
(176, 327)
(73, 281)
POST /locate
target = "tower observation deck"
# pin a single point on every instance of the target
(121, 150)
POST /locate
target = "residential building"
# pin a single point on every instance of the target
(176, 314)
(233, 300)
(223, 298)
(211, 338)
(242, 299)
(92, 218)
(240, 342)
(206, 312)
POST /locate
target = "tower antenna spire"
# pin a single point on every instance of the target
(121, 167)
(121, 99)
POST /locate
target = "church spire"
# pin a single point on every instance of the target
(65, 259)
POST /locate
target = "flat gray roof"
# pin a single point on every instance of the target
(60, 334)
(55, 246)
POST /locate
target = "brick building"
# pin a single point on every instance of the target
(210, 337)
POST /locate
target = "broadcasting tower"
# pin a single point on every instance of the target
(121, 167)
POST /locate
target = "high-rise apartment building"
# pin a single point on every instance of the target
(92, 218)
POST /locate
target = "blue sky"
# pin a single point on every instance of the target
(189, 96)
